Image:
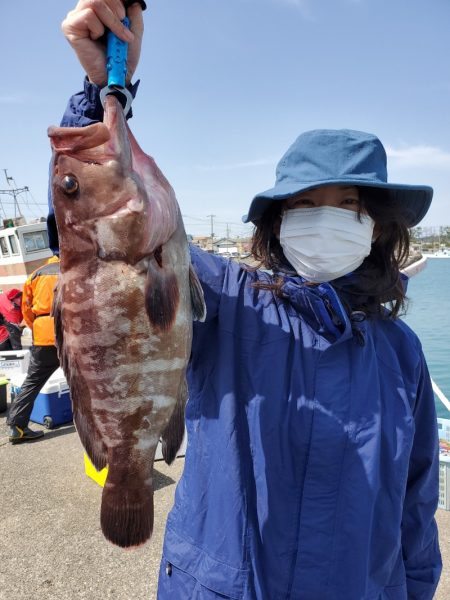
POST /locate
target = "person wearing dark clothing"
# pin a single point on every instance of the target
(312, 464)
(36, 306)
(10, 319)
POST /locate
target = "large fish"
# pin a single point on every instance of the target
(124, 306)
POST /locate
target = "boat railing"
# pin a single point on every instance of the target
(440, 395)
(415, 267)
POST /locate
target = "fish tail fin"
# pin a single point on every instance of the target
(174, 431)
(197, 296)
(126, 515)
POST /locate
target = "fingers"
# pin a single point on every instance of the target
(85, 26)
(90, 18)
(82, 25)
(136, 19)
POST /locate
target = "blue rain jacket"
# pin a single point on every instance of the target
(311, 471)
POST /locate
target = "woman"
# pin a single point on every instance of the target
(312, 464)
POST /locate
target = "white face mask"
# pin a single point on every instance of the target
(325, 243)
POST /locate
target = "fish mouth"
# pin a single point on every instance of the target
(119, 143)
(113, 112)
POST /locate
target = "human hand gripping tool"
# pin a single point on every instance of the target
(116, 67)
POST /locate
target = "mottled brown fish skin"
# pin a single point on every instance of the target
(122, 311)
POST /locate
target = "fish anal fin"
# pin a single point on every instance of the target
(197, 296)
(172, 436)
(162, 296)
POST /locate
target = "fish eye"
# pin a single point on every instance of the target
(70, 184)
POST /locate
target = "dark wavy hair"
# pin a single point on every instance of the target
(377, 280)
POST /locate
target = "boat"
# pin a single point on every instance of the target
(442, 253)
(23, 248)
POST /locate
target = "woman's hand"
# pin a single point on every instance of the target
(84, 27)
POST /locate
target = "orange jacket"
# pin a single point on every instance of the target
(37, 302)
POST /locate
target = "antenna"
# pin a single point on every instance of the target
(14, 192)
(8, 179)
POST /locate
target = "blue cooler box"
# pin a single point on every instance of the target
(52, 406)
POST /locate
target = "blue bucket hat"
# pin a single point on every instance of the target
(339, 157)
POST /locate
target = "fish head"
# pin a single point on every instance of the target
(92, 167)
(108, 196)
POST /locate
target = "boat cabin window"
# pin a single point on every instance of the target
(36, 240)
(13, 244)
(4, 246)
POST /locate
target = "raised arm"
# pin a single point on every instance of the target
(84, 28)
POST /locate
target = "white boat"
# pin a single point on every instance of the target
(23, 248)
(443, 253)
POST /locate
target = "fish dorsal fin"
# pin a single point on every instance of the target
(80, 396)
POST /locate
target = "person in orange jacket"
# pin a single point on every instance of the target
(37, 300)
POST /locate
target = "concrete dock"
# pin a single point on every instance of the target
(51, 545)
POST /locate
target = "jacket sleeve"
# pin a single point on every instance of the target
(420, 544)
(27, 303)
(211, 271)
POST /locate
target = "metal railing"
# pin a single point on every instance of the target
(440, 394)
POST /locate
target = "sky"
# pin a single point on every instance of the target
(227, 86)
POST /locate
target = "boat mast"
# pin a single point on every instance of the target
(14, 192)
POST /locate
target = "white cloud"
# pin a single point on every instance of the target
(418, 156)
(262, 162)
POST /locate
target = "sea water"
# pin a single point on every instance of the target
(428, 315)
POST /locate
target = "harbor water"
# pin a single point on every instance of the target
(429, 316)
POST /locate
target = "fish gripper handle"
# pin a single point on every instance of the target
(116, 68)
(116, 58)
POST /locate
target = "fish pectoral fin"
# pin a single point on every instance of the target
(162, 296)
(172, 436)
(197, 296)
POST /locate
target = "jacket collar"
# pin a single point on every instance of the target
(320, 306)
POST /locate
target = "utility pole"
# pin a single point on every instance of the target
(14, 192)
(228, 231)
(212, 231)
